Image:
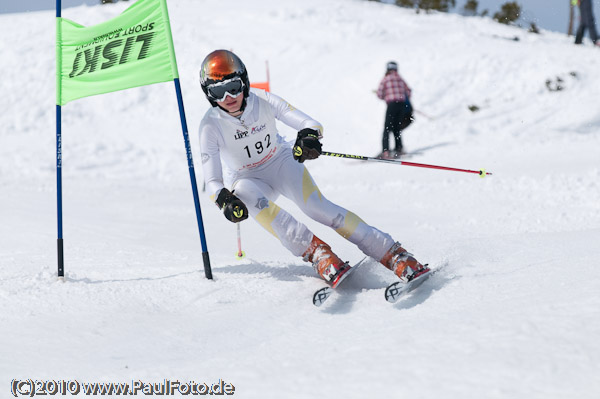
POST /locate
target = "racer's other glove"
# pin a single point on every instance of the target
(233, 208)
(307, 145)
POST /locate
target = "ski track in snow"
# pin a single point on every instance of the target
(513, 313)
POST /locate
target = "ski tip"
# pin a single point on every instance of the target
(321, 296)
(393, 292)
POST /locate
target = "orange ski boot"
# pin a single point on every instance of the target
(327, 264)
(403, 264)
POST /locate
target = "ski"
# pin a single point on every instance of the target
(396, 290)
(322, 294)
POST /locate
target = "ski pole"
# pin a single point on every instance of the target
(424, 114)
(480, 172)
(240, 254)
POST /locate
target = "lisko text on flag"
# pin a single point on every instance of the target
(130, 50)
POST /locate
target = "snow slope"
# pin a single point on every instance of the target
(514, 313)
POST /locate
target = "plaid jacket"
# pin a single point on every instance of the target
(392, 88)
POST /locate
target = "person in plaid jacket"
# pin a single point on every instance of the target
(396, 93)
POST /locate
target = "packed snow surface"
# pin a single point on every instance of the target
(514, 311)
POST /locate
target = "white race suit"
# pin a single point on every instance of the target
(259, 166)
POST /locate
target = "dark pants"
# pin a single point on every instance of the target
(586, 22)
(397, 118)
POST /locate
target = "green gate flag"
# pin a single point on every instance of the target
(133, 49)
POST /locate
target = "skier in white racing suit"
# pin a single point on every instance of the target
(240, 132)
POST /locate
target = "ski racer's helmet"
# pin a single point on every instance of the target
(222, 72)
(392, 66)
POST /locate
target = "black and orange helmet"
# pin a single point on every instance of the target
(221, 65)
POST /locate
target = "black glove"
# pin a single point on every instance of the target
(307, 145)
(233, 208)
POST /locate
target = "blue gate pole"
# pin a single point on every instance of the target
(61, 265)
(188, 149)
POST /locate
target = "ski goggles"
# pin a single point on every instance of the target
(232, 87)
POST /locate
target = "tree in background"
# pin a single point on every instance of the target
(470, 7)
(509, 12)
(437, 5)
(427, 5)
(406, 3)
